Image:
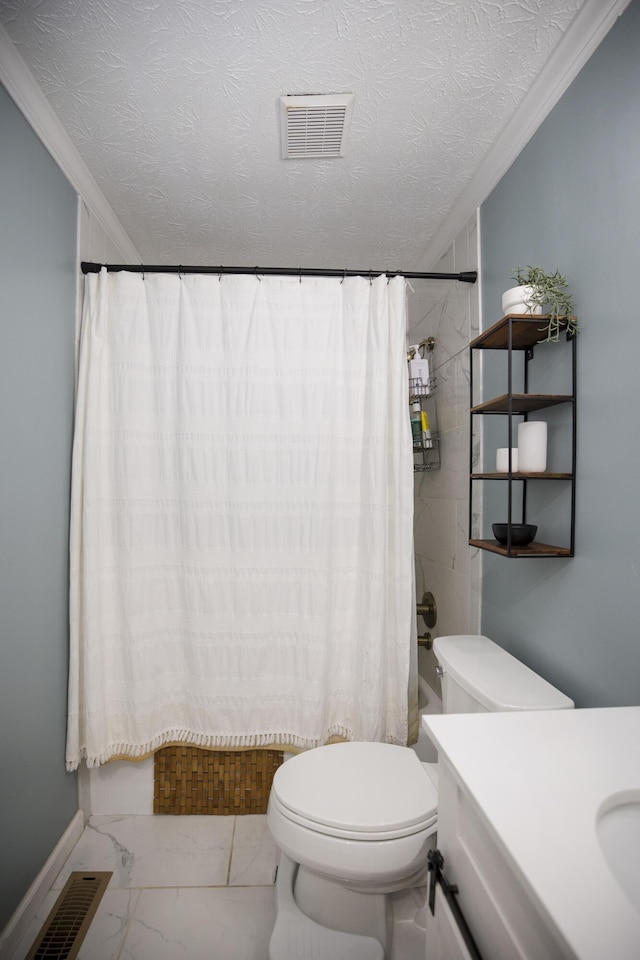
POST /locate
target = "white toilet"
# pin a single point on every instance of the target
(354, 821)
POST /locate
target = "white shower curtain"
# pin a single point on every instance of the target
(242, 505)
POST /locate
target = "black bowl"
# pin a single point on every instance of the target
(521, 533)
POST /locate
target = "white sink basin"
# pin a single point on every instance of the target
(618, 830)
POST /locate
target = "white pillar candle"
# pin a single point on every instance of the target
(502, 460)
(532, 446)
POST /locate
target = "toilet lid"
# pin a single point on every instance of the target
(361, 788)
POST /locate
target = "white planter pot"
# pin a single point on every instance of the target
(517, 300)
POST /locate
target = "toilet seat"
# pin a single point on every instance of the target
(350, 834)
(362, 812)
(356, 791)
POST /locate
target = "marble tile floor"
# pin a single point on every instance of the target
(193, 887)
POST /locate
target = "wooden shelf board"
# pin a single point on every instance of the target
(526, 331)
(522, 476)
(522, 402)
(531, 550)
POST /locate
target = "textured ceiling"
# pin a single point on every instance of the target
(173, 105)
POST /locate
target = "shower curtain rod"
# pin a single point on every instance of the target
(466, 276)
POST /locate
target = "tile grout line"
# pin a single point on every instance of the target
(130, 919)
(233, 837)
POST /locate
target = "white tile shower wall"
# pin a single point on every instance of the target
(445, 563)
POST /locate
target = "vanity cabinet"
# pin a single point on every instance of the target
(523, 803)
(497, 909)
(520, 338)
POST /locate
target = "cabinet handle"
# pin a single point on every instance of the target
(450, 890)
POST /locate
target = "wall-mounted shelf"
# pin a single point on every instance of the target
(521, 332)
(534, 549)
(521, 476)
(521, 403)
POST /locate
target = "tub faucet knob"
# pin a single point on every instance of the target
(428, 610)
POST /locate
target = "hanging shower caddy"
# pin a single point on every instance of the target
(426, 449)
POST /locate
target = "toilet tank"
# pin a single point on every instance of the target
(480, 677)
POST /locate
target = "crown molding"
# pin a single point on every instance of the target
(30, 100)
(587, 30)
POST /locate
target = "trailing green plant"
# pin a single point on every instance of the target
(549, 293)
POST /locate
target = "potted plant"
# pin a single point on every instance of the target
(538, 291)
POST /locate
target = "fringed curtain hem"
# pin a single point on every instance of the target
(276, 741)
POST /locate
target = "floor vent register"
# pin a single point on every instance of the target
(66, 926)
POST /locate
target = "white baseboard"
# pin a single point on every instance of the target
(33, 898)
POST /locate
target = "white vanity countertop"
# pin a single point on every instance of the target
(539, 780)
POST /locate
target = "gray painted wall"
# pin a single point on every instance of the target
(572, 201)
(37, 319)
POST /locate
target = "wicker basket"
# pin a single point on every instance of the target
(189, 780)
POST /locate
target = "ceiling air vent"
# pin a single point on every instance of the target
(315, 125)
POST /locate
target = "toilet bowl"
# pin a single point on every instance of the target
(354, 819)
(363, 812)
(296, 936)
(354, 822)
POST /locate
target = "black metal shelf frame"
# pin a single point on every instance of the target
(512, 405)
